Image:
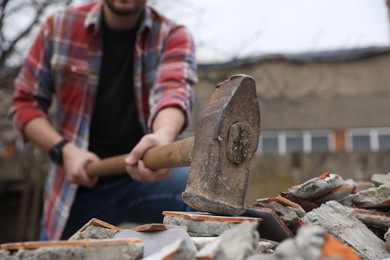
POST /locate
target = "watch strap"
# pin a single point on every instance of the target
(55, 152)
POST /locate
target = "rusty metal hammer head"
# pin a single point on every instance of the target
(226, 139)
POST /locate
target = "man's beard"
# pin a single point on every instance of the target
(121, 12)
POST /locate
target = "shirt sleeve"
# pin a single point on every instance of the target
(176, 75)
(33, 86)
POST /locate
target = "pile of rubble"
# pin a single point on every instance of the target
(323, 218)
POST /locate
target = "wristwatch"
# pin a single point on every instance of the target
(55, 153)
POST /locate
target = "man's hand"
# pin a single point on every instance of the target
(166, 126)
(75, 161)
(136, 167)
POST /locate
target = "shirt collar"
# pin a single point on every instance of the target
(92, 21)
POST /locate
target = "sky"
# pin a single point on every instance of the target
(227, 29)
(224, 30)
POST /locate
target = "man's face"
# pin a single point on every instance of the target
(125, 7)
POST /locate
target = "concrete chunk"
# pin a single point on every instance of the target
(95, 229)
(307, 244)
(154, 241)
(94, 232)
(374, 219)
(205, 224)
(178, 250)
(340, 221)
(236, 244)
(380, 179)
(289, 211)
(387, 239)
(311, 242)
(373, 196)
(128, 249)
(201, 242)
(317, 186)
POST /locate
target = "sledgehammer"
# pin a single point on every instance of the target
(219, 154)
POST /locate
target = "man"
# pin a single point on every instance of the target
(121, 74)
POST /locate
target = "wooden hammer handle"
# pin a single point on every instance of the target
(175, 154)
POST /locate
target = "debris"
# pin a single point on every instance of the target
(322, 188)
(205, 224)
(96, 229)
(380, 179)
(266, 247)
(373, 219)
(340, 221)
(154, 241)
(372, 197)
(237, 243)
(94, 232)
(322, 218)
(201, 242)
(178, 250)
(76, 250)
(156, 227)
(289, 211)
(311, 242)
(305, 204)
(360, 185)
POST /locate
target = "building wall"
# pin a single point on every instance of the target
(315, 95)
(335, 96)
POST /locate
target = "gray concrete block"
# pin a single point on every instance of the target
(236, 244)
(80, 250)
(380, 179)
(372, 197)
(178, 250)
(154, 241)
(373, 219)
(94, 232)
(340, 221)
(387, 235)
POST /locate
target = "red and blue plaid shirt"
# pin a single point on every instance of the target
(64, 62)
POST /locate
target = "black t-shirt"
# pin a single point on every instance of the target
(115, 128)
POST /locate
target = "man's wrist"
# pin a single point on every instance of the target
(169, 122)
(55, 153)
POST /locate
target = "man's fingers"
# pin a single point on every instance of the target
(90, 182)
(136, 154)
(85, 180)
(133, 172)
(149, 175)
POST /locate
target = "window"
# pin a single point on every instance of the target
(364, 139)
(361, 142)
(384, 141)
(357, 139)
(295, 141)
(269, 144)
(320, 143)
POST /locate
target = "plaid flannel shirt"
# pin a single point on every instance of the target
(64, 62)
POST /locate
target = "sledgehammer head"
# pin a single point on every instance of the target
(226, 139)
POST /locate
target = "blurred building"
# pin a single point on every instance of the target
(323, 111)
